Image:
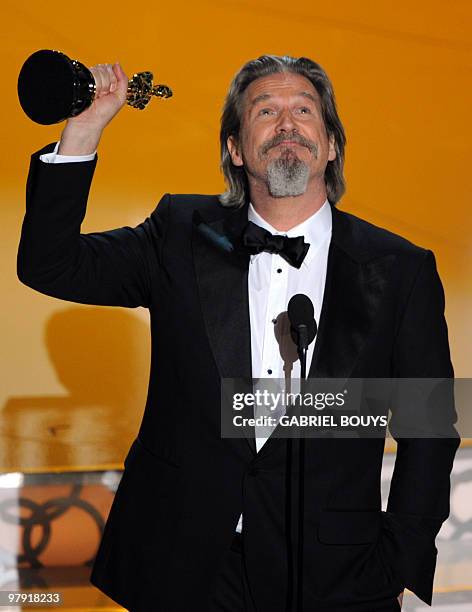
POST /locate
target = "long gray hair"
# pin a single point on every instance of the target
(237, 193)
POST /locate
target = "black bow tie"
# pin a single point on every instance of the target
(256, 239)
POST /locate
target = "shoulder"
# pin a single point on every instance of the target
(365, 240)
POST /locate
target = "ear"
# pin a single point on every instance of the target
(331, 148)
(234, 151)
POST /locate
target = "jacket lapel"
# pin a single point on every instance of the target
(355, 282)
(222, 277)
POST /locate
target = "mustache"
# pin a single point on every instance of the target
(311, 146)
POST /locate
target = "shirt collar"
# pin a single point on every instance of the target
(314, 229)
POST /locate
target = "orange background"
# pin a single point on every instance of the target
(401, 73)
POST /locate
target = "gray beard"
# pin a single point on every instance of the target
(287, 176)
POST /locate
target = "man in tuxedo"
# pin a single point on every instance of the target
(199, 520)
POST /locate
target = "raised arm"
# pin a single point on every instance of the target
(115, 267)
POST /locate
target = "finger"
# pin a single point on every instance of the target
(104, 79)
(118, 71)
(122, 79)
(112, 77)
(98, 80)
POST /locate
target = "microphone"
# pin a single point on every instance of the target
(301, 315)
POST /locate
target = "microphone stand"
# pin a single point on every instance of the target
(303, 331)
(302, 352)
(295, 586)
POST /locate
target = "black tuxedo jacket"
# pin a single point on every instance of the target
(184, 486)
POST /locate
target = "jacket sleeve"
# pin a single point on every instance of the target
(112, 268)
(418, 502)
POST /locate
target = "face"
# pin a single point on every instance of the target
(283, 140)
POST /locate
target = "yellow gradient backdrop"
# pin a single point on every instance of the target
(74, 378)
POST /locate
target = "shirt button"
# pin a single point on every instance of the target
(279, 270)
(274, 320)
(269, 371)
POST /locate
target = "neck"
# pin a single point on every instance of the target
(287, 212)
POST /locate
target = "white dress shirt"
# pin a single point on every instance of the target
(272, 281)
(55, 158)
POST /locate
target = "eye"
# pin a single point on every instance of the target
(264, 111)
(306, 109)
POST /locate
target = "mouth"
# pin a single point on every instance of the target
(289, 142)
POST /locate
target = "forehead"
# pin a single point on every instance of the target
(280, 84)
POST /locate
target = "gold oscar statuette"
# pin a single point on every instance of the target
(53, 88)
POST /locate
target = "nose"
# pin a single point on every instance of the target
(286, 122)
